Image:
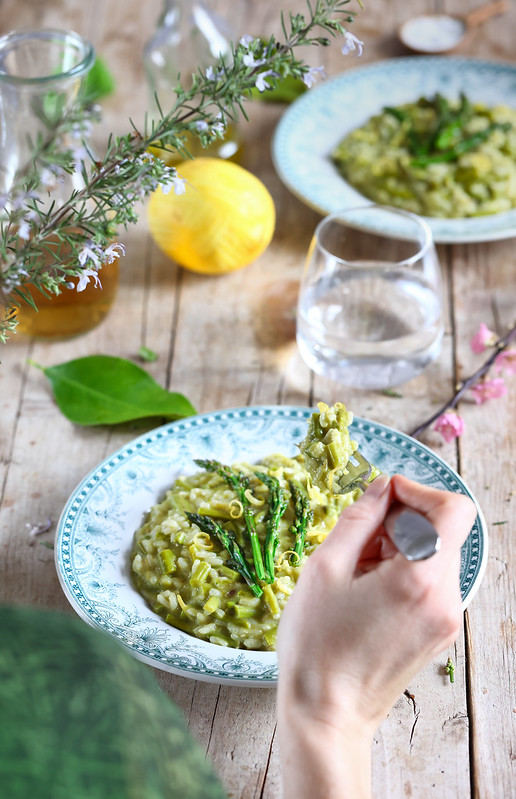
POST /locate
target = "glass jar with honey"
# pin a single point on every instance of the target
(41, 74)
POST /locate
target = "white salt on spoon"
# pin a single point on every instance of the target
(441, 33)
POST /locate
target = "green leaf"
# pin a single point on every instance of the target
(99, 81)
(102, 389)
(146, 354)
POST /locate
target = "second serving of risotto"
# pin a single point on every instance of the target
(220, 555)
(435, 157)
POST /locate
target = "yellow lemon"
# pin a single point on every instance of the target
(223, 221)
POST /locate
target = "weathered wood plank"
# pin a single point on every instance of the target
(485, 287)
(229, 341)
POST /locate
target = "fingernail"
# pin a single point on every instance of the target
(379, 486)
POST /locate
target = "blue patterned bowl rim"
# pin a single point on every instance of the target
(95, 530)
(312, 126)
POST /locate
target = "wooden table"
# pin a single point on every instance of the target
(227, 342)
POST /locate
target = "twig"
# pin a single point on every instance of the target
(500, 345)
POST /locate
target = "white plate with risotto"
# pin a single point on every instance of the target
(95, 537)
(313, 126)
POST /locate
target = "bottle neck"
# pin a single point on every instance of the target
(189, 37)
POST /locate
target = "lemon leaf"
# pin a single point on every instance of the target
(103, 389)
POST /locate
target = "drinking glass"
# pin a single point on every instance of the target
(370, 311)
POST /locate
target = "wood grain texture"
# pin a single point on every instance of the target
(229, 341)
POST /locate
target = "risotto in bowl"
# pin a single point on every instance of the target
(220, 555)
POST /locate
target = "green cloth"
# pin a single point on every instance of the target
(81, 719)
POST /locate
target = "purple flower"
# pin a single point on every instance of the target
(177, 183)
(351, 44)
(261, 84)
(24, 226)
(310, 77)
(250, 61)
(85, 279)
(90, 252)
(214, 75)
(114, 251)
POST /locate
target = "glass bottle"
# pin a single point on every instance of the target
(189, 37)
(41, 72)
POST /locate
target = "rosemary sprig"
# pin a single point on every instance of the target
(46, 246)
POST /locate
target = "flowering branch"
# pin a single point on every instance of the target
(503, 358)
(46, 245)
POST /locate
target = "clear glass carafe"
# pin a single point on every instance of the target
(41, 73)
(189, 37)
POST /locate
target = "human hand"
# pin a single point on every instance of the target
(363, 620)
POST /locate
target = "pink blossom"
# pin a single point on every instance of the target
(505, 361)
(483, 338)
(488, 389)
(450, 425)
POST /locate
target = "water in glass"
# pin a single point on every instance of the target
(368, 323)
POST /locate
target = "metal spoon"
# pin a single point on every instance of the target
(441, 33)
(413, 535)
(411, 532)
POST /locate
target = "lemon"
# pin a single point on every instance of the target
(223, 221)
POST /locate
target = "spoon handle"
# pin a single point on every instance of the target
(485, 12)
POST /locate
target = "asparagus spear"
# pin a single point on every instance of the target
(449, 122)
(213, 528)
(444, 143)
(415, 144)
(278, 502)
(304, 515)
(240, 483)
(461, 147)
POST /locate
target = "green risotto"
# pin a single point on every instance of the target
(190, 579)
(435, 158)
